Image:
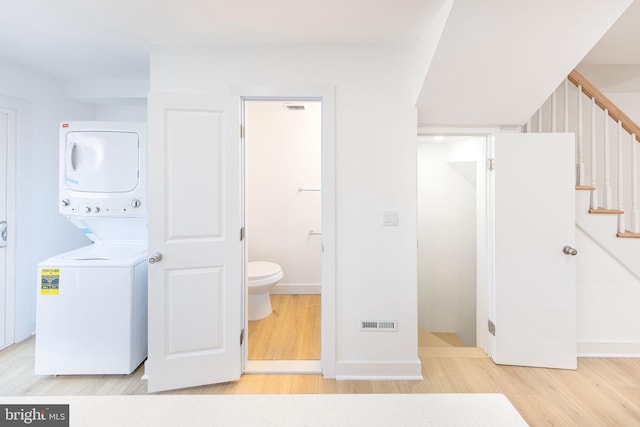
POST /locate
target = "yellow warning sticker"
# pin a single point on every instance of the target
(49, 281)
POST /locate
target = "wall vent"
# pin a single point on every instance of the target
(295, 107)
(378, 325)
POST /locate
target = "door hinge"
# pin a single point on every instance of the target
(492, 328)
(241, 131)
(491, 164)
(242, 234)
(241, 336)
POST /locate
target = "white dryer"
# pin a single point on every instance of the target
(91, 315)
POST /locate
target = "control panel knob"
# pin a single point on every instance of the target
(87, 209)
(96, 209)
(136, 203)
(65, 202)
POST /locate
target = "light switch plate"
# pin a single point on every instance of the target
(389, 218)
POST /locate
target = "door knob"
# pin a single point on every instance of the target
(3, 234)
(155, 257)
(569, 251)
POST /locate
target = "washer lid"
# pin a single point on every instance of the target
(262, 269)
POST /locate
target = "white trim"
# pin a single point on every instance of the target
(297, 289)
(375, 371)
(325, 94)
(18, 117)
(608, 349)
(458, 131)
(283, 367)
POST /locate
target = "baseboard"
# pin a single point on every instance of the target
(283, 367)
(609, 349)
(296, 289)
(375, 371)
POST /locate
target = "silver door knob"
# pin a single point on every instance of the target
(155, 257)
(569, 251)
(3, 234)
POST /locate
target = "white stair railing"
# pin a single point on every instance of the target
(620, 182)
(580, 179)
(594, 157)
(607, 162)
(635, 212)
(603, 159)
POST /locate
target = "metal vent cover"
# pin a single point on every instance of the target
(378, 325)
(295, 107)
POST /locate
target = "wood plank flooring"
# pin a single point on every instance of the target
(291, 332)
(601, 392)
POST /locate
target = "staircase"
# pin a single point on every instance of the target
(606, 153)
(445, 345)
(607, 214)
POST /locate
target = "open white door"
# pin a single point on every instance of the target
(195, 284)
(534, 311)
(8, 144)
(4, 302)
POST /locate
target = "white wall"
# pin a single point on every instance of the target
(608, 297)
(375, 137)
(447, 235)
(283, 153)
(121, 113)
(40, 231)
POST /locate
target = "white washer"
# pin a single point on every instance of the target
(91, 315)
(94, 319)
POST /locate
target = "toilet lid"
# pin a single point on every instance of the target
(261, 269)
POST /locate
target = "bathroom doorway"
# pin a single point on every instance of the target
(450, 186)
(283, 226)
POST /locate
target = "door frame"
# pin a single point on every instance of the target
(484, 260)
(14, 110)
(326, 96)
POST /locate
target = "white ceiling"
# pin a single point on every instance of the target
(621, 44)
(111, 38)
(102, 39)
(497, 61)
(613, 65)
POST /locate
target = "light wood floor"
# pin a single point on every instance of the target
(291, 332)
(601, 392)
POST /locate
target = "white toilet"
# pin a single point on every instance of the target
(262, 276)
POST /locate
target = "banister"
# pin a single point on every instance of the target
(603, 102)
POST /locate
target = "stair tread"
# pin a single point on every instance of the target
(629, 234)
(427, 339)
(450, 338)
(606, 211)
(585, 187)
(451, 352)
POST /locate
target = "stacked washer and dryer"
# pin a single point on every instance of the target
(91, 315)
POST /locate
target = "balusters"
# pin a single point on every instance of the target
(540, 119)
(635, 213)
(607, 202)
(553, 112)
(566, 109)
(607, 188)
(594, 163)
(620, 188)
(580, 161)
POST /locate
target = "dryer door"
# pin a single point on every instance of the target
(102, 161)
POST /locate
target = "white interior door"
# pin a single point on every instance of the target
(4, 301)
(195, 287)
(534, 289)
(8, 145)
